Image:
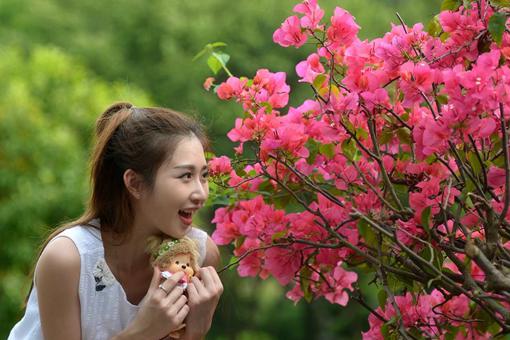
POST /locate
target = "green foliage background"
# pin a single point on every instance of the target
(62, 62)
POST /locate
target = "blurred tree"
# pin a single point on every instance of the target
(153, 45)
(48, 104)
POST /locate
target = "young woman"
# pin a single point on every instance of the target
(93, 279)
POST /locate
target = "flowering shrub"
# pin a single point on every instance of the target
(397, 165)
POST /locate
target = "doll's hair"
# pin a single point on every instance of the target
(163, 250)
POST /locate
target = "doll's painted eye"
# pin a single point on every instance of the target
(176, 262)
(187, 264)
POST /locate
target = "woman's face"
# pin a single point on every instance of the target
(180, 189)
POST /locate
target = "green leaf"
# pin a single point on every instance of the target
(404, 136)
(444, 36)
(327, 150)
(434, 27)
(213, 64)
(500, 3)
(199, 54)
(432, 256)
(281, 201)
(385, 331)
(209, 155)
(218, 44)
(442, 99)
(233, 259)
(367, 233)
(402, 192)
(279, 235)
(385, 136)
(223, 58)
(361, 133)
(451, 5)
(239, 241)
(382, 296)
(208, 48)
(304, 280)
(319, 80)
(475, 163)
(497, 24)
(349, 148)
(217, 61)
(425, 219)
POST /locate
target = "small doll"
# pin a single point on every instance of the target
(172, 256)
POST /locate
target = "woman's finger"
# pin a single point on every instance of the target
(199, 286)
(179, 303)
(207, 277)
(155, 279)
(192, 291)
(176, 294)
(181, 315)
(171, 282)
(216, 279)
(166, 287)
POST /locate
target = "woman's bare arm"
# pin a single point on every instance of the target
(57, 277)
(212, 254)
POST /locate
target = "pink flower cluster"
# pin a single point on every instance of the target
(400, 133)
(433, 314)
(294, 30)
(265, 88)
(257, 223)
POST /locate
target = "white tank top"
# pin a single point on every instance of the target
(105, 310)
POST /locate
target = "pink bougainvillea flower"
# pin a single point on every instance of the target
(295, 294)
(231, 88)
(342, 281)
(496, 177)
(309, 68)
(312, 14)
(208, 83)
(220, 165)
(226, 231)
(290, 33)
(241, 132)
(343, 29)
(251, 264)
(282, 263)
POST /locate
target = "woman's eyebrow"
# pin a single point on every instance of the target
(188, 167)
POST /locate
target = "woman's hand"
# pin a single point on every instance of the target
(203, 296)
(162, 310)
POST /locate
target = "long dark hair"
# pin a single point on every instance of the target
(128, 137)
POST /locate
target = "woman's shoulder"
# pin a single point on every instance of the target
(86, 237)
(209, 252)
(58, 267)
(60, 254)
(197, 233)
(57, 277)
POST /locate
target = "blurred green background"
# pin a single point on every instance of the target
(62, 62)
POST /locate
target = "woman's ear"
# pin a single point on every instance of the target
(134, 183)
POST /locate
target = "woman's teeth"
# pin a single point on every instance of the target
(185, 213)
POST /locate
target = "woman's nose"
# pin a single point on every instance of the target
(200, 193)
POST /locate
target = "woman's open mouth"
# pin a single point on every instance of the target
(186, 216)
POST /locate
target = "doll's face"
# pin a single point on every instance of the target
(181, 262)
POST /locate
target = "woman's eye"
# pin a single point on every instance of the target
(187, 175)
(205, 175)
